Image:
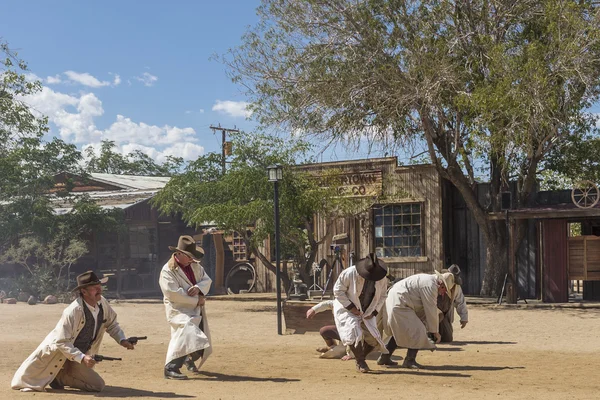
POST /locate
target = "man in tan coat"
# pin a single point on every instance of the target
(66, 356)
(412, 313)
(184, 285)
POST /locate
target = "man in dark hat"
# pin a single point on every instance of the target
(184, 285)
(453, 299)
(65, 357)
(359, 295)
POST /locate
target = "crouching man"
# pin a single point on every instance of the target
(411, 313)
(65, 357)
(359, 295)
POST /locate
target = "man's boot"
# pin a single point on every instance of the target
(386, 359)
(172, 369)
(330, 345)
(359, 355)
(410, 360)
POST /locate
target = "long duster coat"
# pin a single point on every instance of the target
(347, 290)
(41, 367)
(411, 311)
(189, 325)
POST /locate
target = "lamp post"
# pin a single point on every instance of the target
(275, 175)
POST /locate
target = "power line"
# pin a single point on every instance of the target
(224, 132)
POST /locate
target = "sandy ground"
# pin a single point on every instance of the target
(502, 353)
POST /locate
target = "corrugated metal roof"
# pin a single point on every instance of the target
(132, 181)
(105, 199)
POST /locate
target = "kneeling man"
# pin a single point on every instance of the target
(66, 356)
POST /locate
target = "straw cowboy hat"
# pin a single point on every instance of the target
(187, 245)
(447, 278)
(89, 278)
(371, 268)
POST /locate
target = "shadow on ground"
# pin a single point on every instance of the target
(205, 375)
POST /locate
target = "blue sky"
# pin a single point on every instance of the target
(135, 72)
(138, 73)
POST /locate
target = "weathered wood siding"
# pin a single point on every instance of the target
(405, 184)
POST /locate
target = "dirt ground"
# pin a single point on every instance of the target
(502, 353)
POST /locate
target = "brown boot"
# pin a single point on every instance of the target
(410, 360)
(359, 355)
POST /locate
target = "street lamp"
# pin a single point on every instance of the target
(275, 175)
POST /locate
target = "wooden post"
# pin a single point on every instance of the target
(119, 265)
(512, 292)
(220, 263)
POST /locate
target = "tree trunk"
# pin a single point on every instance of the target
(496, 266)
(285, 279)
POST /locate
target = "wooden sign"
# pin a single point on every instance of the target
(360, 184)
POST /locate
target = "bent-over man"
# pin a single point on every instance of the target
(359, 295)
(66, 356)
(411, 313)
(184, 284)
(454, 299)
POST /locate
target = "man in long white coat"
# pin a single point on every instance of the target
(184, 285)
(66, 356)
(453, 300)
(411, 313)
(359, 295)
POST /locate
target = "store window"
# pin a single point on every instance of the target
(398, 230)
(142, 242)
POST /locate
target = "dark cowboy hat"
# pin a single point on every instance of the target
(371, 268)
(187, 246)
(455, 270)
(89, 278)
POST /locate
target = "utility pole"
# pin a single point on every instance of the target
(223, 141)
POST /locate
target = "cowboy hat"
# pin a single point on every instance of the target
(89, 278)
(371, 268)
(187, 245)
(447, 278)
(455, 270)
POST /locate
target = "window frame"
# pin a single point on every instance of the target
(422, 245)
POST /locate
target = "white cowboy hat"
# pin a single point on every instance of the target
(447, 278)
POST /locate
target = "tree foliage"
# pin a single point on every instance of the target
(241, 200)
(28, 162)
(483, 84)
(137, 163)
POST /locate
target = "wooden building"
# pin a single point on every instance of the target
(402, 224)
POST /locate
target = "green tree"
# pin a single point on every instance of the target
(241, 200)
(490, 85)
(28, 163)
(137, 163)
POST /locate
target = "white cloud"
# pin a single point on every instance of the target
(117, 80)
(233, 108)
(73, 116)
(200, 111)
(53, 80)
(147, 79)
(85, 79)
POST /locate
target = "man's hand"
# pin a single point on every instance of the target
(463, 324)
(438, 337)
(355, 311)
(127, 344)
(201, 301)
(369, 316)
(88, 361)
(310, 313)
(193, 291)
